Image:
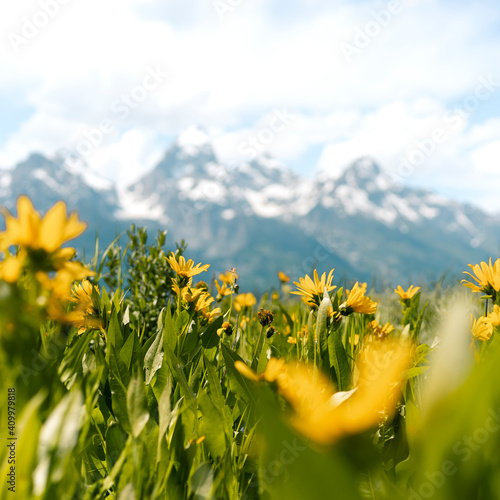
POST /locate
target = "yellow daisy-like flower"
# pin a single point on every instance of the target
(408, 294)
(32, 231)
(324, 415)
(60, 284)
(283, 277)
(222, 290)
(380, 331)
(312, 291)
(226, 328)
(11, 268)
(244, 300)
(86, 313)
(482, 329)
(229, 276)
(358, 302)
(494, 316)
(185, 270)
(487, 277)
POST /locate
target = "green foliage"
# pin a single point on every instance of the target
(154, 404)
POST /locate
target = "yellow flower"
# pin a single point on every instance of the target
(244, 300)
(323, 415)
(303, 331)
(229, 276)
(222, 290)
(358, 302)
(11, 268)
(185, 270)
(226, 328)
(482, 329)
(494, 316)
(292, 340)
(203, 302)
(86, 314)
(32, 231)
(283, 277)
(379, 331)
(408, 294)
(487, 277)
(312, 291)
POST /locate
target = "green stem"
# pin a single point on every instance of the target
(258, 348)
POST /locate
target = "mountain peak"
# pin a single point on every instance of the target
(364, 168)
(193, 140)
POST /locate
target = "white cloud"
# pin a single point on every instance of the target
(231, 76)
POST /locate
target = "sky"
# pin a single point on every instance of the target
(415, 84)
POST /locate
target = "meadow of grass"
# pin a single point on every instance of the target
(129, 377)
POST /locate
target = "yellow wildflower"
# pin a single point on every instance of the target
(222, 290)
(32, 231)
(494, 316)
(358, 302)
(323, 415)
(482, 329)
(408, 294)
(229, 276)
(244, 300)
(487, 277)
(86, 315)
(185, 270)
(226, 328)
(202, 306)
(11, 268)
(312, 291)
(378, 330)
(283, 277)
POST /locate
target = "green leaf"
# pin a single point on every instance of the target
(114, 333)
(127, 351)
(201, 482)
(117, 366)
(310, 342)
(115, 443)
(154, 357)
(321, 325)
(119, 401)
(338, 360)
(215, 392)
(137, 405)
(170, 331)
(418, 324)
(209, 337)
(211, 427)
(177, 372)
(240, 385)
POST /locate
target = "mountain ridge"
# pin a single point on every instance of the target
(261, 217)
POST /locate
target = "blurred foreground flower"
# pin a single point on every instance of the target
(39, 240)
(33, 232)
(324, 415)
(312, 291)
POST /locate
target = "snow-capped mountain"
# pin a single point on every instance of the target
(261, 217)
